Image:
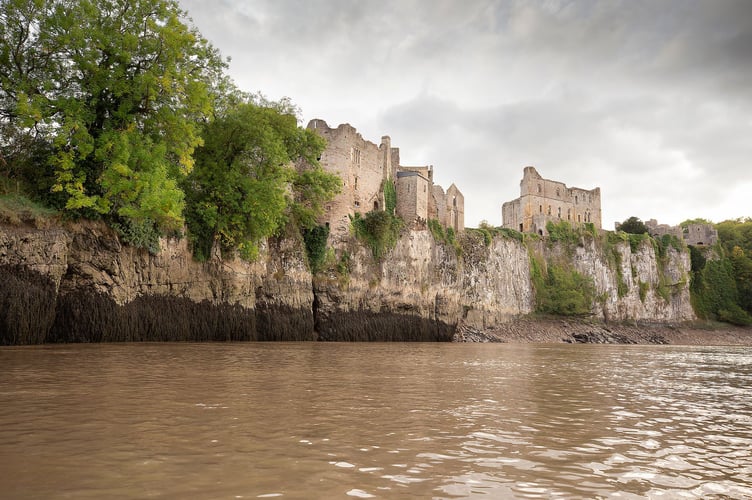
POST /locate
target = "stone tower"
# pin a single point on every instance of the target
(542, 200)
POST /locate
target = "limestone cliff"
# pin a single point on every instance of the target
(89, 287)
(81, 284)
(482, 286)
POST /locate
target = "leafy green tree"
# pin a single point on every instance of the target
(633, 225)
(736, 232)
(715, 295)
(311, 187)
(721, 284)
(736, 238)
(698, 220)
(118, 88)
(244, 185)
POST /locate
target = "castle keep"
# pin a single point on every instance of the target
(542, 200)
(364, 169)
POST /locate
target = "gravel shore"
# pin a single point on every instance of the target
(556, 330)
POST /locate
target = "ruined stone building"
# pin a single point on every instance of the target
(542, 200)
(658, 230)
(699, 234)
(691, 234)
(364, 169)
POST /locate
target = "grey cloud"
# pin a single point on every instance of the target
(649, 100)
(641, 158)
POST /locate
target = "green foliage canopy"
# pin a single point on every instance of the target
(244, 185)
(117, 89)
(715, 295)
(722, 278)
(379, 229)
(633, 225)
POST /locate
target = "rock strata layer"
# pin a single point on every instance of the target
(80, 284)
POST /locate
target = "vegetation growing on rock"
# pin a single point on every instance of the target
(633, 225)
(560, 290)
(378, 229)
(722, 276)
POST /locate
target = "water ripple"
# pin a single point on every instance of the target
(375, 421)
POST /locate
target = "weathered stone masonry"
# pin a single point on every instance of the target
(542, 200)
(364, 169)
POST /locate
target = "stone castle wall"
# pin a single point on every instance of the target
(360, 164)
(365, 167)
(692, 234)
(543, 200)
(700, 234)
(455, 211)
(412, 196)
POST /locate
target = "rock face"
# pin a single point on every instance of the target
(652, 288)
(96, 289)
(81, 284)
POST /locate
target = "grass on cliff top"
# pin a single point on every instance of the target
(16, 209)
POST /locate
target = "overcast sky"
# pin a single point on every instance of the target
(649, 100)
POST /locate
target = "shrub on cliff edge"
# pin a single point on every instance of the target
(378, 229)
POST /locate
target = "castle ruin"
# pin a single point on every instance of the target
(542, 200)
(691, 234)
(364, 168)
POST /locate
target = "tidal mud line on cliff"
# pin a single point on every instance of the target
(283, 323)
(91, 317)
(79, 284)
(369, 326)
(27, 306)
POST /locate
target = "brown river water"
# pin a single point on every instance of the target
(329, 420)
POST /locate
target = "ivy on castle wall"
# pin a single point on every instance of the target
(390, 196)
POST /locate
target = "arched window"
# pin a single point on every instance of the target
(375, 205)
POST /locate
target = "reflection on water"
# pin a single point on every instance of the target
(314, 420)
